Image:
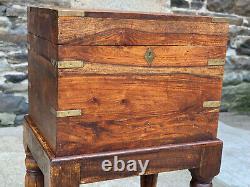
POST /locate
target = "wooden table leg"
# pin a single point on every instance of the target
(63, 175)
(209, 167)
(149, 180)
(34, 176)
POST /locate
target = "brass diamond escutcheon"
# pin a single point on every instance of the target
(149, 56)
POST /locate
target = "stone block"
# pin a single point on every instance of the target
(12, 104)
(244, 48)
(7, 119)
(180, 3)
(238, 41)
(16, 11)
(221, 5)
(197, 4)
(232, 78)
(232, 19)
(5, 25)
(16, 77)
(236, 98)
(238, 63)
(2, 10)
(128, 5)
(242, 7)
(14, 87)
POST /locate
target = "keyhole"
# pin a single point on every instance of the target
(149, 56)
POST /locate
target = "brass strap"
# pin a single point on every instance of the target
(216, 62)
(66, 113)
(211, 104)
(219, 20)
(67, 64)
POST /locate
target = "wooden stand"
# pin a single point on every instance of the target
(44, 169)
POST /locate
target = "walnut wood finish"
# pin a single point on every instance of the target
(42, 96)
(157, 119)
(165, 56)
(161, 115)
(34, 176)
(125, 29)
(203, 159)
(149, 180)
(125, 106)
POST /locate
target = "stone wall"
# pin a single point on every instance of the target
(13, 58)
(13, 51)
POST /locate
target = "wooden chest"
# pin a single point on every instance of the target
(106, 81)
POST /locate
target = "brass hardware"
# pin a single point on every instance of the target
(219, 20)
(211, 104)
(69, 13)
(66, 113)
(54, 63)
(67, 64)
(216, 62)
(149, 56)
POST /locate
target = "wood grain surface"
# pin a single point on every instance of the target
(165, 56)
(203, 158)
(133, 109)
(73, 30)
(42, 95)
(107, 28)
(125, 103)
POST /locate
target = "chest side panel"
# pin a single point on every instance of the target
(42, 96)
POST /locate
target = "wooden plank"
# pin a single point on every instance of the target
(42, 47)
(135, 111)
(170, 39)
(107, 28)
(40, 149)
(73, 30)
(76, 136)
(129, 55)
(161, 159)
(43, 23)
(42, 95)
(167, 56)
(106, 69)
(130, 93)
(88, 167)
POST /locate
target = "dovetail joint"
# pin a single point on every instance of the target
(211, 104)
(216, 62)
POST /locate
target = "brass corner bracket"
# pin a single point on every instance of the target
(219, 20)
(211, 104)
(216, 62)
(67, 64)
(70, 13)
(66, 113)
